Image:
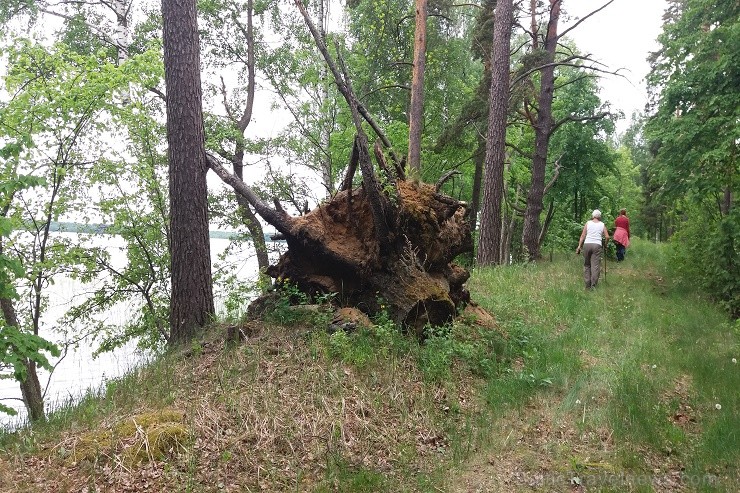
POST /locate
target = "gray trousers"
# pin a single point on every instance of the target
(591, 264)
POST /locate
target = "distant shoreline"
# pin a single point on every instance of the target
(101, 229)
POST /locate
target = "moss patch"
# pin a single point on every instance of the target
(135, 439)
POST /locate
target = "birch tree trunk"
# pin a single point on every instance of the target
(416, 110)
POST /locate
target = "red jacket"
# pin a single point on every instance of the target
(622, 233)
(622, 222)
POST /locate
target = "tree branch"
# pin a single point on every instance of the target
(571, 118)
(281, 221)
(443, 179)
(576, 79)
(247, 115)
(97, 30)
(520, 151)
(584, 18)
(349, 176)
(556, 173)
(524, 75)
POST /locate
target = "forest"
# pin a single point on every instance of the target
(422, 140)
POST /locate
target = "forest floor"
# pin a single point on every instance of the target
(632, 387)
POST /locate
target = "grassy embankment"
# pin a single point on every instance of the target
(632, 387)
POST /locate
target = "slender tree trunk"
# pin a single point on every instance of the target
(33, 398)
(509, 221)
(543, 130)
(192, 292)
(479, 160)
(248, 216)
(250, 220)
(123, 31)
(489, 245)
(416, 112)
(324, 156)
(726, 204)
(31, 392)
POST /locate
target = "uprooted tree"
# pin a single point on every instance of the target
(388, 241)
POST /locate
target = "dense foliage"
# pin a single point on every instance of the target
(694, 137)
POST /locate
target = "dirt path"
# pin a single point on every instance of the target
(528, 453)
(543, 448)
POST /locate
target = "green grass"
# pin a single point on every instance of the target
(621, 387)
(641, 349)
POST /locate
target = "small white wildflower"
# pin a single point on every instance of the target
(578, 401)
(718, 406)
(734, 360)
(655, 366)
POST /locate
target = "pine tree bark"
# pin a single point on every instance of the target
(489, 245)
(191, 305)
(543, 130)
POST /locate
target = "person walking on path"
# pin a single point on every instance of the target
(622, 234)
(590, 241)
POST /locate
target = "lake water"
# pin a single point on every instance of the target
(78, 371)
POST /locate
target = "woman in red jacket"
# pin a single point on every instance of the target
(622, 234)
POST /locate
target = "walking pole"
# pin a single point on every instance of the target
(606, 242)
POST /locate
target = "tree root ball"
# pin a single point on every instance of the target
(334, 249)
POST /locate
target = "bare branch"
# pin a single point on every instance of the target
(276, 218)
(556, 173)
(584, 18)
(571, 118)
(443, 179)
(227, 106)
(382, 88)
(576, 79)
(566, 64)
(518, 48)
(159, 93)
(540, 67)
(97, 30)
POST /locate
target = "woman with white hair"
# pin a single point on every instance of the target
(593, 231)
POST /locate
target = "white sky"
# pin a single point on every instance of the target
(620, 36)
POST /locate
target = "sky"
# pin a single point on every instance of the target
(620, 36)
